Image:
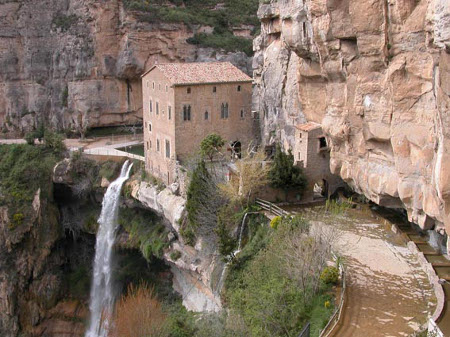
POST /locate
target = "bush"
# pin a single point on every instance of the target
(284, 174)
(29, 138)
(139, 314)
(275, 222)
(330, 275)
(54, 141)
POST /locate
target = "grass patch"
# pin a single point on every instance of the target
(134, 149)
(145, 231)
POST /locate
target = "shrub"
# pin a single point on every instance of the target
(275, 222)
(284, 174)
(29, 138)
(139, 314)
(54, 141)
(330, 275)
(175, 255)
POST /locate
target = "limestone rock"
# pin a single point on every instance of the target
(377, 79)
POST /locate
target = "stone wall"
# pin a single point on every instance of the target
(375, 74)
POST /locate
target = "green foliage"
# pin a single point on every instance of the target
(223, 16)
(284, 174)
(275, 222)
(23, 170)
(175, 255)
(330, 275)
(65, 96)
(225, 40)
(227, 243)
(266, 294)
(29, 138)
(64, 21)
(54, 141)
(109, 170)
(79, 282)
(145, 231)
(188, 235)
(338, 207)
(211, 145)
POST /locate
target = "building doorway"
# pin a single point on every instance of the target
(236, 150)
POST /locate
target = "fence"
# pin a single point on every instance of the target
(336, 317)
(270, 207)
(306, 331)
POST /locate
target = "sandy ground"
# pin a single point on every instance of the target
(388, 293)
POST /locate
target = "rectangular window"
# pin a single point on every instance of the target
(187, 113)
(151, 106)
(157, 145)
(150, 127)
(157, 108)
(224, 111)
(167, 88)
(169, 112)
(153, 85)
(214, 89)
(150, 144)
(242, 114)
(167, 149)
(239, 88)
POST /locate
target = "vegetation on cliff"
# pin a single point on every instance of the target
(222, 16)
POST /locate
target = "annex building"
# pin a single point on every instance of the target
(185, 102)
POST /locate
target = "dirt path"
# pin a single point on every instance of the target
(388, 292)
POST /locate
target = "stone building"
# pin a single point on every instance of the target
(312, 154)
(184, 102)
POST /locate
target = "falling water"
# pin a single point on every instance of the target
(102, 297)
(224, 271)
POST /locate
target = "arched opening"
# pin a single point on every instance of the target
(321, 189)
(236, 150)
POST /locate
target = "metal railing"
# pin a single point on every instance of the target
(271, 208)
(306, 332)
(336, 317)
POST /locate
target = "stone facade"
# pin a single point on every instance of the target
(178, 116)
(312, 154)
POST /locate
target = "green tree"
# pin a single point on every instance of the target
(284, 174)
(54, 141)
(211, 145)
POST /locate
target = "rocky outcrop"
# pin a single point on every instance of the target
(375, 74)
(77, 63)
(196, 270)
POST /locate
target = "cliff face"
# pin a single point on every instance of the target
(77, 63)
(376, 75)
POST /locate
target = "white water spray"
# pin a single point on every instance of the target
(102, 296)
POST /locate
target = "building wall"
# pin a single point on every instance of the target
(314, 161)
(156, 88)
(189, 134)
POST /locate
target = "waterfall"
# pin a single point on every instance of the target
(224, 271)
(102, 296)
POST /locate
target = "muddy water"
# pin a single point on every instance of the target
(388, 292)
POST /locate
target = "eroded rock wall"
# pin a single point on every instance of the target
(375, 74)
(77, 63)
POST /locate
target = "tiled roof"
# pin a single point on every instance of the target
(202, 72)
(308, 126)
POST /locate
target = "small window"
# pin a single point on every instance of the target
(188, 90)
(159, 86)
(153, 85)
(150, 127)
(322, 142)
(242, 114)
(151, 106)
(150, 144)
(157, 108)
(167, 149)
(157, 145)
(214, 89)
(206, 115)
(169, 112)
(299, 156)
(239, 88)
(167, 89)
